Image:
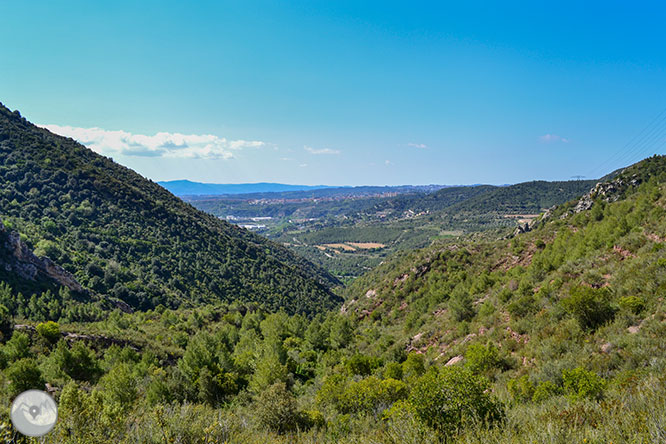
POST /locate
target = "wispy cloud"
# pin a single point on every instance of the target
(186, 146)
(551, 138)
(311, 150)
(387, 162)
(421, 146)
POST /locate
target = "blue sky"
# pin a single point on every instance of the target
(341, 92)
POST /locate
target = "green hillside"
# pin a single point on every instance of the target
(555, 335)
(526, 197)
(124, 236)
(415, 220)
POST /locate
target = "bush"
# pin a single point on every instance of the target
(545, 390)
(18, 346)
(413, 367)
(589, 306)
(276, 409)
(24, 375)
(580, 384)
(452, 399)
(482, 359)
(633, 304)
(78, 363)
(393, 370)
(521, 389)
(371, 395)
(461, 305)
(361, 365)
(49, 330)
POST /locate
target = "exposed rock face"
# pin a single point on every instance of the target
(453, 361)
(21, 260)
(608, 191)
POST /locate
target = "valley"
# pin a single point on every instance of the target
(321, 225)
(149, 320)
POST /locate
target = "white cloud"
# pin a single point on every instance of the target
(186, 146)
(311, 150)
(551, 138)
(418, 145)
(387, 162)
(303, 165)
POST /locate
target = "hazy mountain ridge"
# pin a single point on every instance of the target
(189, 188)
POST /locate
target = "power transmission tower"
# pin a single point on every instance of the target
(578, 177)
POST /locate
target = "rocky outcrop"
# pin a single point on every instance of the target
(17, 258)
(607, 191)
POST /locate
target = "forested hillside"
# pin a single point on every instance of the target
(410, 221)
(124, 236)
(554, 335)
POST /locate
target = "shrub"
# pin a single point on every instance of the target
(49, 330)
(413, 367)
(580, 384)
(371, 395)
(589, 306)
(331, 390)
(521, 389)
(482, 359)
(522, 306)
(361, 365)
(24, 375)
(18, 346)
(452, 399)
(276, 409)
(545, 390)
(393, 370)
(78, 363)
(461, 306)
(634, 304)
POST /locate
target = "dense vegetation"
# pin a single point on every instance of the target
(414, 220)
(126, 237)
(554, 335)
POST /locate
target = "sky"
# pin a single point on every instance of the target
(342, 92)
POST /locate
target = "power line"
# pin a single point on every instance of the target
(653, 131)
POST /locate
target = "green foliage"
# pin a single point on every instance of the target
(580, 384)
(79, 362)
(276, 409)
(521, 389)
(393, 370)
(371, 395)
(341, 332)
(413, 367)
(24, 374)
(128, 238)
(545, 390)
(633, 304)
(482, 359)
(18, 346)
(591, 307)
(49, 330)
(461, 305)
(361, 365)
(452, 399)
(119, 389)
(6, 321)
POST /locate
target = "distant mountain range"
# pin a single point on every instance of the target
(189, 188)
(259, 190)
